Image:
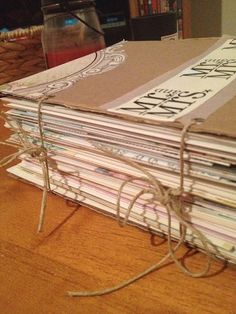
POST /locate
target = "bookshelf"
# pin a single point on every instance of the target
(149, 7)
(159, 26)
(155, 19)
(138, 19)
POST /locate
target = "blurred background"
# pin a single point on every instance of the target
(20, 13)
(200, 18)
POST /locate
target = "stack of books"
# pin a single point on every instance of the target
(112, 124)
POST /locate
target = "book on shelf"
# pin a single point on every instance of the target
(133, 8)
(112, 126)
(153, 11)
(148, 7)
(154, 7)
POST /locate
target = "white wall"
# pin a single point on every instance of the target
(229, 17)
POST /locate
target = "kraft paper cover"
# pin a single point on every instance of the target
(134, 66)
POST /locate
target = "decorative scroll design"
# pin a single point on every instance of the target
(102, 61)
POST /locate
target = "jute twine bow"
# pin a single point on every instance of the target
(171, 199)
(37, 151)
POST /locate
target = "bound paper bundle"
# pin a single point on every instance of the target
(137, 129)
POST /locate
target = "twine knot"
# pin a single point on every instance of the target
(40, 153)
(168, 196)
(171, 198)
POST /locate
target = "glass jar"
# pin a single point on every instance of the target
(71, 30)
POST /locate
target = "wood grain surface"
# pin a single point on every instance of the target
(80, 249)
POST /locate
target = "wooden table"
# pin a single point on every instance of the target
(80, 249)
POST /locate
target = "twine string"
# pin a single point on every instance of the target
(118, 216)
(184, 134)
(45, 167)
(38, 152)
(183, 138)
(19, 131)
(172, 199)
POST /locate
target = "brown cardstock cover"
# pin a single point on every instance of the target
(161, 57)
(146, 61)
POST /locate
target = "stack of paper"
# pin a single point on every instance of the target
(133, 100)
